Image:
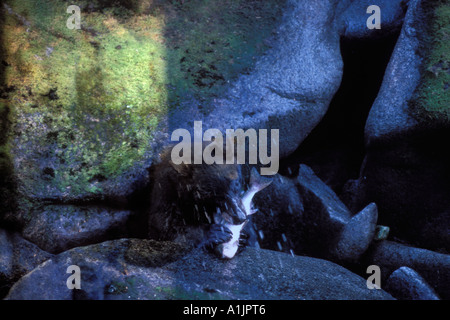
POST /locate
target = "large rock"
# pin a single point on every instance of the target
(17, 258)
(143, 269)
(324, 216)
(304, 216)
(76, 139)
(357, 235)
(76, 134)
(278, 224)
(432, 266)
(290, 87)
(389, 113)
(406, 171)
(354, 18)
(57, 228)
(89, 120)
(406, 284)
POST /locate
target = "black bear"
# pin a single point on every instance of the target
(204, 204)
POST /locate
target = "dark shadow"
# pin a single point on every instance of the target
(7, 182)
(335, 148)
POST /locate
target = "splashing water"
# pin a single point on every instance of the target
(261, 234)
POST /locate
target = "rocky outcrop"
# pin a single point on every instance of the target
(325, 215)
(434, 267)
(357, 235)
(17, 257)
(406, 284)
(88, 121)
(279, 222)
(74, 149)
(57, 228)
(304, 216)
(354, 18)
(291, 86)
(406, 170)
(389, 114)
(143, 269)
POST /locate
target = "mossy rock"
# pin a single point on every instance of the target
(430, 102)
(254, 274)
(88, 104)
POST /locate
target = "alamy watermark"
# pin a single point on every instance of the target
(74, 21)
(235, 140)
(73, 281)
(374, 280)
(374, 21)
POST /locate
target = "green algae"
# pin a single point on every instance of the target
(431, 100)
(98, 104)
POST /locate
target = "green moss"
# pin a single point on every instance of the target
(431, 100)
(92, 98)
(108, 88)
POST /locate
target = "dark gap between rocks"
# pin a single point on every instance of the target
(335, 148)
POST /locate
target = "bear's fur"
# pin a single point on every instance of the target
(187, 198)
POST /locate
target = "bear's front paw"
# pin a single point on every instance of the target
(217, 234)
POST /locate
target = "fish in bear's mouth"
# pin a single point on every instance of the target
(236, 223)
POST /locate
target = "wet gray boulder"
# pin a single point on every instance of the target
(278, 224)
(389, 114)
(17, 257)
(305, 216)
(145, 269)
(56, 228)
(406, 284)
(325, 215)
(354, 18)
(290, 86)
(406, 171)
(357, 235)
(434, 267)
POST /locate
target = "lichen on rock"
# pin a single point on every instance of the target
(87, 102)
(430, 102)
